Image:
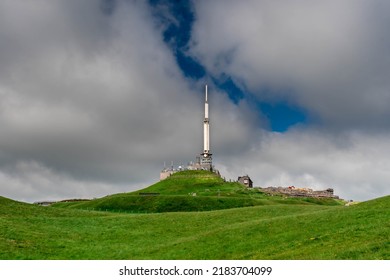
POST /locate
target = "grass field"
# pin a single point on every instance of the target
(273, 231)
(196, 215)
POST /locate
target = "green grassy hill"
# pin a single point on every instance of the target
(276, 231)
(189, 191)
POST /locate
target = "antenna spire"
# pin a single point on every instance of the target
(206, 92)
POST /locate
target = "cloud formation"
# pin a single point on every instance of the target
(355, 165)
(330, 58)
(92, 101)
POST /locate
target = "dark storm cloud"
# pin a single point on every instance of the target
(91, 100)
(331, 58)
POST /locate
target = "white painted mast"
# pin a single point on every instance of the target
(206, 160)
(206, 126)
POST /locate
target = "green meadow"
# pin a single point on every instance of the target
(237, 224)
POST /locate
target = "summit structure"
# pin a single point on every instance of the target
(206, 156)
(204, 160)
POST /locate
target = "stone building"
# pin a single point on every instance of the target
(246, 181)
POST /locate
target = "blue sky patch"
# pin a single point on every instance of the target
(234, 92)
(178, 18)
(282, 115)
(190, 67)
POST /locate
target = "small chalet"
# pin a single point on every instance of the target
(246, 181)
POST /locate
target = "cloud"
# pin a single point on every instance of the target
(330, 57)
(92, 98)
(354, 164)
(30, 181)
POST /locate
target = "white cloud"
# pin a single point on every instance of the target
(329, 57)
(97, 97)
(354, 164)
(30, 181)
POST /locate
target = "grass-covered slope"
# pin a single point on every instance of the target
(186, 191)
(158, 204)
(266, 232)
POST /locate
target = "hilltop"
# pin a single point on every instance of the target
(196, 215)
(191, 190)
(277, 231)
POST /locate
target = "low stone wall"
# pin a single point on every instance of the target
(300, 192)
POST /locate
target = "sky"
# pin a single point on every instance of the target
(96, 95)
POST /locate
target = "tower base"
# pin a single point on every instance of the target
(206, 161)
